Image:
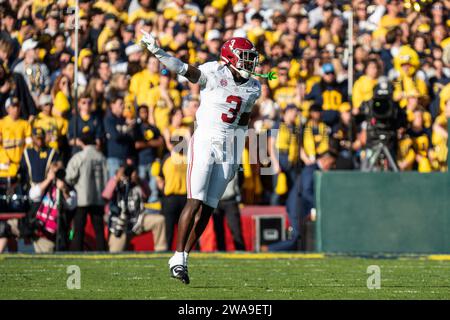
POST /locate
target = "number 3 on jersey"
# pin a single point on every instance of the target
(234, 110)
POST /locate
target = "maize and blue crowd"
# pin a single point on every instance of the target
(129, 109)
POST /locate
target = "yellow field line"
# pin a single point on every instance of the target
(201, 255)
(168, 255)
(439, 257)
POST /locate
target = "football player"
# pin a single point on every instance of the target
(228, 93)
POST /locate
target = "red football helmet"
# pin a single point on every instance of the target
(241, 55)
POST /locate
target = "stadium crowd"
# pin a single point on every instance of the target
(132, 112)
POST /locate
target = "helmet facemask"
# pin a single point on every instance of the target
(248, 60)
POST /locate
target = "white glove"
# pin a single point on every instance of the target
(149, 41)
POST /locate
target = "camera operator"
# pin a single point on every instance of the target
(52, 197)
(55, 197)
(126, 194)
(380, 118)
(345, 139)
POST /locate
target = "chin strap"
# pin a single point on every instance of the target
(270, 76)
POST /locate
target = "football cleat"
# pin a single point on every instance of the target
(180, 272)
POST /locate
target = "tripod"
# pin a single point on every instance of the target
(375, 157)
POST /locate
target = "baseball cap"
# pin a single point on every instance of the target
(133, 49)
(201, 19)
(11, 101)
(40, 15)
(111, 16)
(38, 132)
(290, 106)
(315, 107)
(54, 14)
(24, 22)
(129, 28)
(29, 44)
(213, 34)
(328, 68)
(85, 52)
(314, 33)
(345, 107)
(45, 99)
(328, 6)
(112, 45)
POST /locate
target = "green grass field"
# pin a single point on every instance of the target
(223, 276)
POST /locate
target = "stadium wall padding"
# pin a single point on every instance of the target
(358, 212)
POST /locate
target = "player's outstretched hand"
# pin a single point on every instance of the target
(149, 42)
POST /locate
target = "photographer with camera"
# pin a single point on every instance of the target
(126, 194)
(50, 198)
(56, 197)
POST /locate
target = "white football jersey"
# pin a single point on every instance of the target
(222, 101)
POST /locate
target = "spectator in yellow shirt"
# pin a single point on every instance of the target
(108, 32)
(391, 18)
(421, 141)
(55, 127)
(142, 81)
(145, 12)
(406, 156)
(178, 8)
(61, 95)
(162, 100)
(315, 136)
(363, 87)
(286, 91)
(15, 134)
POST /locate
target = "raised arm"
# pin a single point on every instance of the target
(190, 72)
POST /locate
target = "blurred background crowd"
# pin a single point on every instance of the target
(132, 111)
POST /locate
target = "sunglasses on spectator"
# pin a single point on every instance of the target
(437, 7)
(86, 101)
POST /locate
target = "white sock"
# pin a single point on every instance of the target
(186, 255)
(177, 259)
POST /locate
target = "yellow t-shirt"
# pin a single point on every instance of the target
(161, 112)
(108, 7)
(15, 136)
(405, 152)
(141, 83)
(173, 171)
(288, 141)
(388, 22)
(363, 90)
(61, 103)
(285, 95)
(141, 14)
(315, 139)
(103, 38)
(53, 126)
